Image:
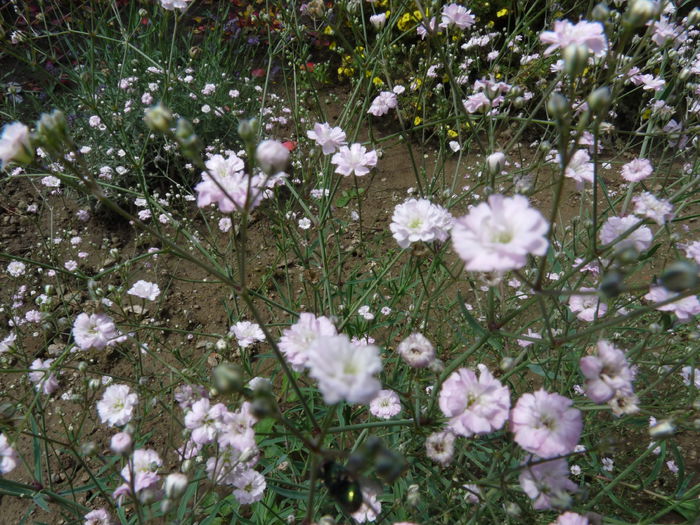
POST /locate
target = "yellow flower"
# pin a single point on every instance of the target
(377, 81)
(490, 24)
(502, 12)
(417, 121)
(332, 46)
(416, 83)
(452, 133)
(646, 114)
(404, 23)
(328, 30)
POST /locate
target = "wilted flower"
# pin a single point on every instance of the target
(474, 405)
(116, 408)
(546, 424)
(420, 220)
(499, 235)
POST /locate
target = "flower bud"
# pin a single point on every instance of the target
(413, 495)
(175, 485)
(694, 16)
(378, 21)
(600, 12)
(15, 145)
(640, 12)
(575, 59)
(143, 13)
(496, 162)
(82, 366)
(186, 465)
(187, 138)
(680, 276)
(121, 443)
(558, 106)
(248, 129)
(158, 118)
(52, 132)
(599, 100)
(272, 156)
(228, 378)
(662, 428)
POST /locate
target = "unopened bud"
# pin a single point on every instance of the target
(611, 284)
(194, 51)
(166, 505)
(513, 509)
(575, 59)
(82, 366)
(496, 162)
(94, 384)
(640, 12)
(506, 363)
(600, 12)
(680, 276)
(694, 16)
(558, 106)
(248, 129)
(599, 101)
(661, 429)
(52, 132)
(88, 448)
(272, 156)
(228, 378)
(121, 443)
(158, 118)
(413, 495)
(175, 485)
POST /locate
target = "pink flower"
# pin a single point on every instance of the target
(639, 238)
(205, 420)
(524, 343)
(692, 250)
(272, 156)
(476, 102)
(589, 34)
(94, 331)
(636, 170)
(586, 307)
(417, 351)
(330, 139)
(8, 456)
(685, 308)
(296, 340)
(658, 210)
(385, 405)
(344, 371)
(499, 235)
(145, 290)
(440, 447)
(250, 486)
(456, 15)
(44, 380)
(545, 424)
(247, 333)
(371, 506)
(570, 518)
(580, 168)
(121, 443)
(116, 408)
(144, 463)
(225, 184)
(547, 483)
(420, 220)
(382, 103)
(606, 373)
(474, 405)
(424, 28)
(97, 517)
(355, 159)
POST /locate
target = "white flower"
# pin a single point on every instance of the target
(247, 333)
(639, 239)
(116, 408)
(365, 313)
(14, 144)
(145, 290)
(272, 156)
(330, 139)
(94, 331)
(417, 351)
(171, 5)
(344, 371)
(420, 220)
(385, 405)
(16, 268)
(297, 339)
(381, 105)
(378, 21)
(250, 486)
(8, 456)
(658, 210)
(304, 223)
(580, 168)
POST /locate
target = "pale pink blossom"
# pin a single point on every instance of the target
(272, 156)
(205, 420)
(247, 333)
(382, 103)
(474, 405)
(297, 339)
(477, 102)
(606, 373)
(42, 377)
(225, 184)
(94, 331)
(692, 250)
(427, 27)
(685, 309)
(547, 483)
(500, 234)
(580, 168)
(420, 220)
(658, 210)
(250, 486)
(570, 518)
(8, 456)
(636, 170)
(587, 307)
(385, 405)
(640, 238)
(97, 517)
(116, 408)
(355, 159)
(144, 463)
(546, 424)
(371, 506)
(329, 138)
(456, 15)
(145, 290)
(440, 447)
(584, 33)
(416, 351)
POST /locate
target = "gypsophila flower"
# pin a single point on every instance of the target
(692, 250)
(247, 333)
(204, 420)
(456, 15)
(385, 405)
(547, 483)
(304, 223)
(15, 145)
(94, 331)
(171, 5)
(416, 351)
(499, 235)
(608, 464)
(297, 339)
(688, 372)
(385, 101)
(587, 307)
(121, 443)
(639, 239)
(145, 290)
(420, 220)
(440, 447)
(570, 518)
(584, 33)
(250, 486)
(370, 508)
(344, 371)
(580, 168)
(545, 424)
(8, 456)
(606, 373)
(329, 138)
(97, 517)
(685, 308)
(16, 268)
(116, 408)
(8, 342)
(636, 170)
(225, 184)
(524, 343)
(365, 313)
(354, 159)
(474, 405)
(658, 210)
(144, 463)
(41, 376)
(272, 156)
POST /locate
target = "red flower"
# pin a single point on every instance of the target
(290, 145)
